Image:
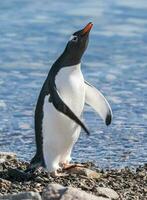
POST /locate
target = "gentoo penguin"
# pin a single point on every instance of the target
(60, 105)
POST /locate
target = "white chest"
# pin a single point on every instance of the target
(59, 132)
(70, 84)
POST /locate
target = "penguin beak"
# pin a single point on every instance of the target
(87, 28)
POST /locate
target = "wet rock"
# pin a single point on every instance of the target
(58, 192)
(6, 156)
(107, 192)
(22, 196)
(85, 172)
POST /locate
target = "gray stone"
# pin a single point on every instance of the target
(22, 196)
(58, 192)
(74, 193)
(108, 192)
(85, 172)
(6, 156)
(53, 192)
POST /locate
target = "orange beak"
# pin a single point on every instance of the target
(87, 28)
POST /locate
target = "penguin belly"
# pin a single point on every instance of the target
(60, 132)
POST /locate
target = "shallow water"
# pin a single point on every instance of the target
(33, 33)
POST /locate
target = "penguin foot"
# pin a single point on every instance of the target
(56, 174)
(71, 165)
(36, 162)
(35, 166)
(32, 167)
(18, 175)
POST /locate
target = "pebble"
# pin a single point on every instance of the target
(22, 196)
(108, 192)
(4, 184)
(6, 156)
(58, 192)
(85, 172)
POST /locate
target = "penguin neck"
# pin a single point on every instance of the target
(68, 59)
(65, 60)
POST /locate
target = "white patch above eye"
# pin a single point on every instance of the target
(72, 37)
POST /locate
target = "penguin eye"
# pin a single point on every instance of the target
(75, 38)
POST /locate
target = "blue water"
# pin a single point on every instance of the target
(33, 33)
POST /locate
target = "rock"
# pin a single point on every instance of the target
(18, 175)
(4, 184)
(58, 192)
(2, 160)
(22, 196)
(6, 156)
(53, 192)
(1, 165)
(107, 192)
(85, 172)
(74, 193)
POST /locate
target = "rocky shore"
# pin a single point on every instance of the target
(86, 182)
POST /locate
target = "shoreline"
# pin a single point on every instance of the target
(127, 183)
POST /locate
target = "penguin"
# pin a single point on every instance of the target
(60, 106)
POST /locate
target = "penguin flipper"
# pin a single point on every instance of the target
(97, 101)
(62, 107)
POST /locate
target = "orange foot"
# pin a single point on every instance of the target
(66, 166)
(56, 174)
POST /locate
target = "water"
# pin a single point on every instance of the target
(33, 33)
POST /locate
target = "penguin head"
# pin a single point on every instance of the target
(78, 43)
